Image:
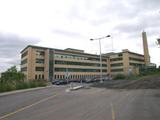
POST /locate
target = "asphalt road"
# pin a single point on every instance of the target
(84, 104)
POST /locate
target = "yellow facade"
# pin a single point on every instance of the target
(48, 63)
(125, 62)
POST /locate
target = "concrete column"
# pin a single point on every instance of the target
(126, 61)
(31, 63)
(46, 65)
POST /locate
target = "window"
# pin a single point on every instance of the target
(120, 54)
(79, 57)
(24, 54)
(79, 63)
(136, 64)
(104, 70)
(42, 76)
(136, 59)
(24, 61)
(116, 70)
(116, 59)
(40, 61)
(24, 69)
(40, 53)
(77, 70)
(39, 76)
(116, 64)
(39, 68)
(36, 77)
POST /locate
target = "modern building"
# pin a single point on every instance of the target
(49, 63)
(124, 62)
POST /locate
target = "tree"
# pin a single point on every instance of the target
(12, 76)
(12, 69)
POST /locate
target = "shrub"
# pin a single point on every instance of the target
(119, 77)
(32, 84)
(42, 84)
(6, 87)
(22, 85)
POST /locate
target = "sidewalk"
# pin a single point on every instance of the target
(22, 90)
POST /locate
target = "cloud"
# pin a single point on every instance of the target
(10, 47)
(67, 33)
(73, 23)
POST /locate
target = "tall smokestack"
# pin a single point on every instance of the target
(145, 49)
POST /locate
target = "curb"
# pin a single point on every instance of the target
(21, 91)
(74, 88)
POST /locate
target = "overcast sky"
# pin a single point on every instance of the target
(71, 23)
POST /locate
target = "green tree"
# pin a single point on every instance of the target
(12, 76)
(12, 69)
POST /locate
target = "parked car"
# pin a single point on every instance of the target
(89, 81)
(59, 82)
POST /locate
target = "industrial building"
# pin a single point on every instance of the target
(49, 63)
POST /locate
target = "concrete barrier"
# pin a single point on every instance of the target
(74, 88)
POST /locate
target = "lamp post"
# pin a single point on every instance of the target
(100, 54)
(158, 42)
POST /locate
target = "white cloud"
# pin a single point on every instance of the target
(71, 23)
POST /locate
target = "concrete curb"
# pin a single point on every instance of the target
(74, 88)
(23, 90)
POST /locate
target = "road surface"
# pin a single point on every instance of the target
(85, 104)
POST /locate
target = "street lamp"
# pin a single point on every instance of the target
(100, 53)
(158, 41)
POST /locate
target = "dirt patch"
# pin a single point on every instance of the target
(146, 83)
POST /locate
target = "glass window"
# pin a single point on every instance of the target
(116, 59)
(24, 54)
(36, 77)
(24, 69)
(116, 64)
(24, 61)
(116, 70)
(40, 61)
(39, 76)
(136, 59)
(40, 53)
(42, 76)
(39, 68)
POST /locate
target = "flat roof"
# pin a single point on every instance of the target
(113, 53)
(72, 50)
(68, 51)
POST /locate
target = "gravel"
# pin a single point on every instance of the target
(145, 83)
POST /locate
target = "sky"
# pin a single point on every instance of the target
(72, 23)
